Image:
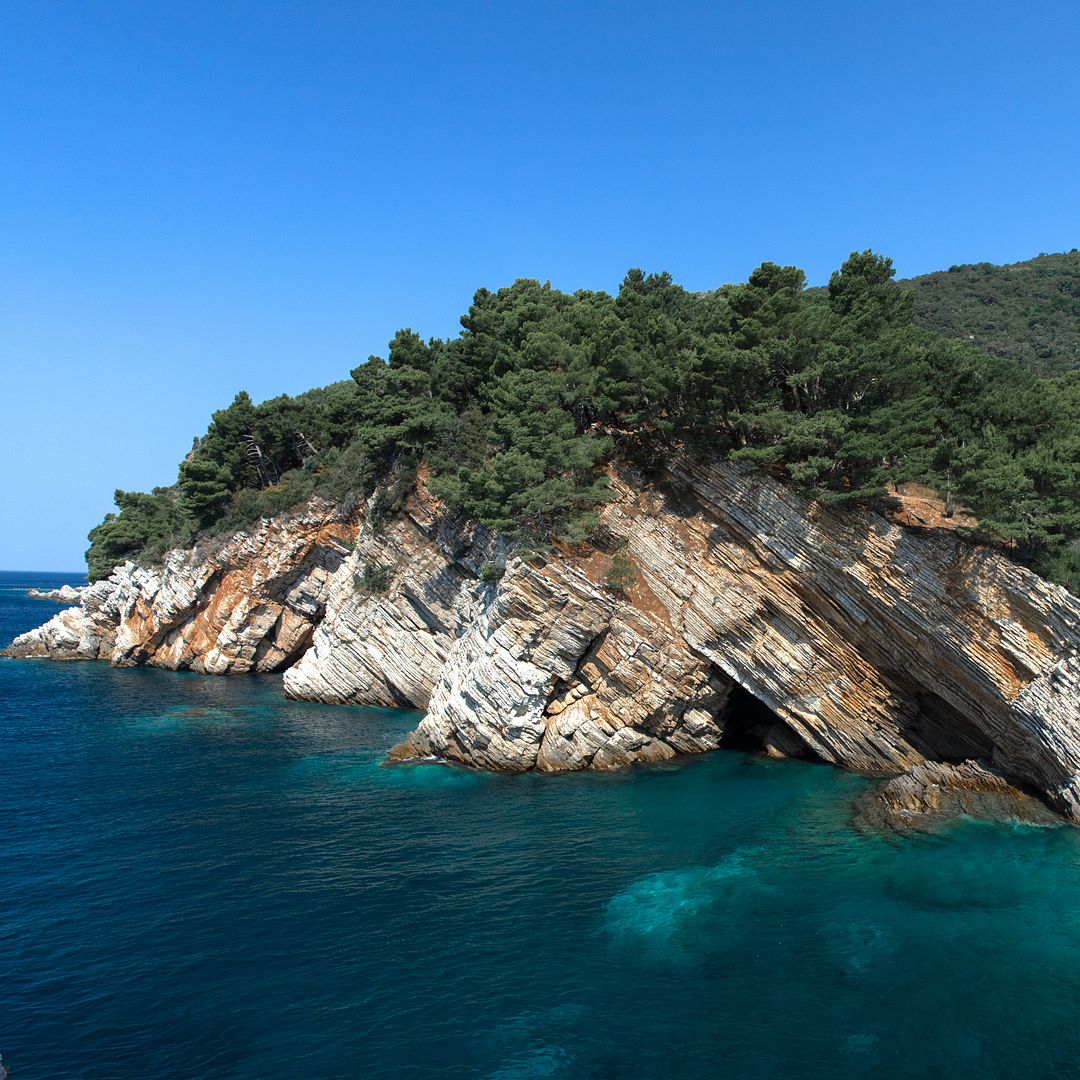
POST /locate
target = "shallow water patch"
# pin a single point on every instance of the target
(536, 1044)
(662, 913)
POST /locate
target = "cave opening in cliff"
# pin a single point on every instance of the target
(747, 721)
(751, 726)
(943, 733)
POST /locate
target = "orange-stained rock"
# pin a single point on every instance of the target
(875, 646)
(248, 603)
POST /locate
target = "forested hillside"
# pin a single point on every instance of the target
(840, 391)
(1027, 311)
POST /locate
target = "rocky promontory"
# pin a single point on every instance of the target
(248, 602)
(742, 613)
(66, 594)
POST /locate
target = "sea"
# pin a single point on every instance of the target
(201, 879)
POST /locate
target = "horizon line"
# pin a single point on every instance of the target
(29, 572)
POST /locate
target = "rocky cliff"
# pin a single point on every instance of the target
(247, 603)
(748, 614)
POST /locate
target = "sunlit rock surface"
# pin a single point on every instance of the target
(866, 644)
(248, 603)
(933, 794)
(66, 594)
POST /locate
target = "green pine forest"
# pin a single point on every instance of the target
(1027, 311)
(840, 390)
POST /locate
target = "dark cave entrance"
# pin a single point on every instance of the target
(936, 729)
(942, 733)
(747, 721)
(752, 727)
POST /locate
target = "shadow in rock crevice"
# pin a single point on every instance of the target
(751, 726)
(943, 733)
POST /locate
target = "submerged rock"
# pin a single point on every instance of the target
(857, 641)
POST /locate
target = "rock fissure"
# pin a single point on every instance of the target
(752, 615)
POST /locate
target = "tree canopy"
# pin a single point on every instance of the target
(1027, 311)
(839, 390)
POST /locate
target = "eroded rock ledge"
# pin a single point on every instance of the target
(933, 794)
(66, 594)
(868, 645)
(249, 603)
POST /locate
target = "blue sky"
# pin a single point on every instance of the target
(197, 198)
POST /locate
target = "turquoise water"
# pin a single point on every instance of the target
(201, 879)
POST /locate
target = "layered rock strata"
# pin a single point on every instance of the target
(249, 603)
(867, 644)
(933, 794)
(541, 668)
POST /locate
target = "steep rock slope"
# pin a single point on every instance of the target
(248, 604)
(875, 647)
(495, 664)
(385, 645)
(872, 646)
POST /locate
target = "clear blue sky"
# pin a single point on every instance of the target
(197, 198)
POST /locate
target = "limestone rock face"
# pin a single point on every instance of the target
(385, 644)
(637, 694)
(858, 641)
(248, 604)
(875, 647)
(488, 706)
(532, 672)
(86, 632)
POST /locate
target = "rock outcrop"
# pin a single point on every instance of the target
(249, 603)
(856, 641)
(534, 670)
(394, 608)
(934, 793)
(66, 594)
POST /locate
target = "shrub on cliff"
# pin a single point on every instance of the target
(146, 527)
(373, 579)
(620, 575)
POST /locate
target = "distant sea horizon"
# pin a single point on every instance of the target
(37, 575)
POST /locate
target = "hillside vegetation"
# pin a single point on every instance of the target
(1027, 311)
(840, 391)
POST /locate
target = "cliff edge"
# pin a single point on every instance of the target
(740, 612)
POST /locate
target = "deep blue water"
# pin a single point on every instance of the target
(201, 879)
